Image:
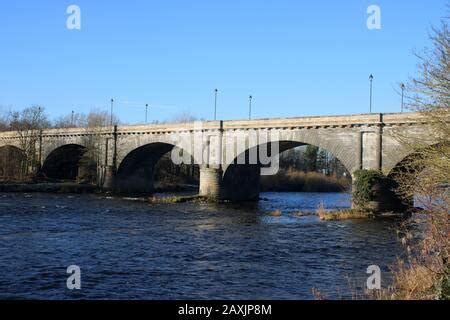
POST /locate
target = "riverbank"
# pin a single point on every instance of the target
(341, 215)
(73, 187)
(47, 187)
(292, 180)
(353, 214)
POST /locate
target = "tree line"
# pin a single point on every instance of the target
(312, 159)
(23, 164)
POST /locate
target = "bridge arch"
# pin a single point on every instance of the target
(344, 150)
(406, 161)
(63, 163)
(414, 170)
(135, 174)
(242, 181)
(13, 163)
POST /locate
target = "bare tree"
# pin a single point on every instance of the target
(184, 117)
(28, 124)
(429, 94)
(4, 121)
(426, 176)
(71, 120)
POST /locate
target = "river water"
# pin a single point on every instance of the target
(133, 250)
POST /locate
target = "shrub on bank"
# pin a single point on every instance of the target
(362, 186)
(373, 191)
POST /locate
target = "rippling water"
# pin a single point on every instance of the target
(133, 250)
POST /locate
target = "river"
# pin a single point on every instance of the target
(133, 250)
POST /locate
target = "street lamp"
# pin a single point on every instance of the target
(215, 103)
(371, 86)
(112, 106)
(250, 108)
(146, 108)
(403, 94)
(71, 119)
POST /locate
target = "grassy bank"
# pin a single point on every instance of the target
(298, 181)
(347, 214)
(343, 214)
(355, 214)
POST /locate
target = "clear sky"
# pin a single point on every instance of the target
(296, 58)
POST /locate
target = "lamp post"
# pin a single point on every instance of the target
(71, 119)
(39, 116)
(146, 110)
(215, 103)
(112, 107)
(250, 98)
(403, 94)
(371, 87)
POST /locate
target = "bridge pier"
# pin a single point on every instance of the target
(211, 183)
(110, 174)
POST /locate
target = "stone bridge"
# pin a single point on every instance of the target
(231, 154)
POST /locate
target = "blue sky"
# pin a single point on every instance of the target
(295, 57)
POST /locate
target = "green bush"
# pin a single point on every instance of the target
(362, 187)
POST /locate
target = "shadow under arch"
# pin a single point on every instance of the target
(412, 163)
(135, 175)
(241, 182)
(63, 162)
(13, 163)
(410, 169)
